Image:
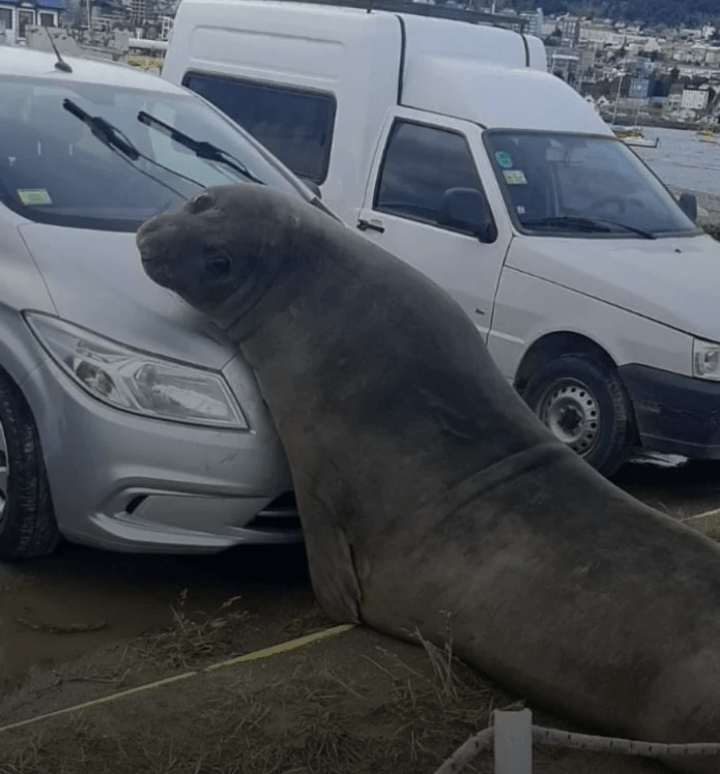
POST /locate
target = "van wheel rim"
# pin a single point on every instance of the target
(571, 412)
(4, 472)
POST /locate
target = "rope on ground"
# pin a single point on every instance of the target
(467, 751)
(553, 738)
(258, 655)
(464, 755)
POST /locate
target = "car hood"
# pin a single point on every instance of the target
(672, 281)
(96, 280)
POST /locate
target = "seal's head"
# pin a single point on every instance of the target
(223, 249)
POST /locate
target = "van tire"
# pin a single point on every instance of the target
(28, 528)
(582, 400)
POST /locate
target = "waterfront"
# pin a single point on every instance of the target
(682, 161)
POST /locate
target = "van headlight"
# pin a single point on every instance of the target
(706, 360)
(136, 381)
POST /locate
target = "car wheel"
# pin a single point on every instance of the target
(27, 522)
(583, 402)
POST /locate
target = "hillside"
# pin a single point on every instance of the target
(663, 12)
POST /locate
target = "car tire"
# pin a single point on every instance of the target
(28, 528)
(583, 402)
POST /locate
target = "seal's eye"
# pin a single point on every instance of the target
(218, 265)
(202, 202)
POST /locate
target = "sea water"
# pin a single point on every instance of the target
(682, 160)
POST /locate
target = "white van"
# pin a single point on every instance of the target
(449, 143)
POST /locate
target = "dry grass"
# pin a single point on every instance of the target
(379, 715)
(193, 638)
(357, 704)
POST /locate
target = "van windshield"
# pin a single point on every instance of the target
(53, 170)
(569, 184)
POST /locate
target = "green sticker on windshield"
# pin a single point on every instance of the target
(515, 177)
(34, 196)
(504, 159)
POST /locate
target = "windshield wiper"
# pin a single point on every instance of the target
(639, 231)
(586, 224)
(116, 140)
(202, 149)
(104, 131)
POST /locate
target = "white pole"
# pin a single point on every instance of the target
(513, 742)
(617, 98)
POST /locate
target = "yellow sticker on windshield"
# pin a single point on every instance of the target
(514, 177)
(34, 196)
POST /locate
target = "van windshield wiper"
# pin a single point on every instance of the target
(202, 149)
(586, 224)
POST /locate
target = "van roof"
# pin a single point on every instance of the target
(446, 66)
(341, 24)
(509, 20)
(479, 91)
(41, 64)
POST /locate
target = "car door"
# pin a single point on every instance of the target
(421, 157)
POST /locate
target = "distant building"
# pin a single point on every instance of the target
(570, 29)
(565, 64)
(674, 97)
(600, 33)
(138, 11)
(535, 22)
(166, 23)
(694, 99)
(640, 86)
(17, 15)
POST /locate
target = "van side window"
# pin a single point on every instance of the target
(421, 163)
(296, 126)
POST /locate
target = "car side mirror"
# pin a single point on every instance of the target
(688, 204)
(466, 209)
(313, 186)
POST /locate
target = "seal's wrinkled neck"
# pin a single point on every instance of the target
(287, 281)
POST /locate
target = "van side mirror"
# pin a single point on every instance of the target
(467, 210)
(688, 204)
(313, 186)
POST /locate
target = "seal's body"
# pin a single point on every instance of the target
(427, 487)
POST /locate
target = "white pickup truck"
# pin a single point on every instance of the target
(449, 143)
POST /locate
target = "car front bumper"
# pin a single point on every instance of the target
(675, 414)
(128, 483)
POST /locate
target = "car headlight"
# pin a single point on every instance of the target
(135, 381)
(706, 360)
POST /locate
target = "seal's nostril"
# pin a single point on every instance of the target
(219, 265)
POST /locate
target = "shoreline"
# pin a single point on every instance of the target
(627, 119)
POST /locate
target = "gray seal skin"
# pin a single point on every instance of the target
(426, 486)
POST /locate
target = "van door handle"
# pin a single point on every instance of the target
(371, 225)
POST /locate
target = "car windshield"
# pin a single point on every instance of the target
(54, 170)
(572, 184)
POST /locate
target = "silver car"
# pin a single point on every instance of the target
(127, 421)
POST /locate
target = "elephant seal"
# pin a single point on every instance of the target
(427, 487)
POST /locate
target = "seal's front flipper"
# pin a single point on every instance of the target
(332, 567)
(333, 576)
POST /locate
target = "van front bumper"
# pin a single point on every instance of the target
(675, 414)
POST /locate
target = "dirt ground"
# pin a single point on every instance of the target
(87, 624)
(360, 702)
